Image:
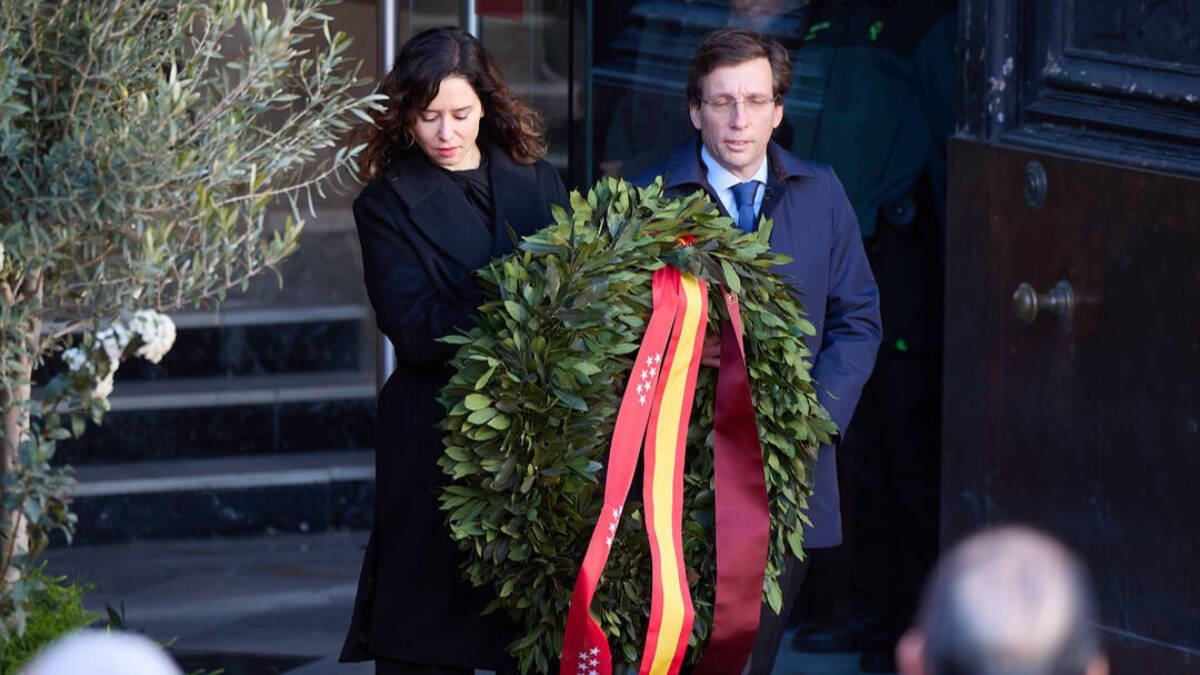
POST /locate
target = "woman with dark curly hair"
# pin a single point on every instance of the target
(453, 162)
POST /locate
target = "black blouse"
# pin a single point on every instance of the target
(477, 187)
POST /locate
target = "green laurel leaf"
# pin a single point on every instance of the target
(535, 392)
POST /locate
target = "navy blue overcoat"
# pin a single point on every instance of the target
(814, 225)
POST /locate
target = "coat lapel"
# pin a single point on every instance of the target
(782, 167)
(685, 171)
(439, 210)
(775, 190)
(518, 201)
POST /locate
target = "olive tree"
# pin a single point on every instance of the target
(142, 142)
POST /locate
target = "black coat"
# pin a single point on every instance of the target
(421, 241)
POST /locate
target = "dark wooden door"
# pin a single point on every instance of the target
(1078, 163)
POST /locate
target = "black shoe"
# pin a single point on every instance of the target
(877, 661)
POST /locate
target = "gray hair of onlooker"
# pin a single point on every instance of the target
(97, 652)
(1010, 601)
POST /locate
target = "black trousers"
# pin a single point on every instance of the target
(772, 625)
(897, 492)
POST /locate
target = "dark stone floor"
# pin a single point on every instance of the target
(262, 605)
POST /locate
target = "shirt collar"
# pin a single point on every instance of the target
(721, 179)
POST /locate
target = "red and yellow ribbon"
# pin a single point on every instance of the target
(676, 327)
(671, 612)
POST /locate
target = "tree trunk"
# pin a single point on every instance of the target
(16, 429)
(14, 406)
(16, 426)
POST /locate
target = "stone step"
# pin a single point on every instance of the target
(257, 341)
(261, 341)
(189, 498)
(222, 417)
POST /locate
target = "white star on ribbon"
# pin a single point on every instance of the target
(652, 371)
(645, 375)
(608, 541)
(657, 358)
(612, 527)
(595, 651)
(616, 512)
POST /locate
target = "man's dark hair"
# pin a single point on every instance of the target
(731, 46)
(1009, 601)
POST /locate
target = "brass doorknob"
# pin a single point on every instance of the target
(1027, 303)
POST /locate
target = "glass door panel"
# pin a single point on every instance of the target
(419, 15)
(532, 42)
(643, 52)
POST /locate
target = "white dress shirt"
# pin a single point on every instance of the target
(722, 182)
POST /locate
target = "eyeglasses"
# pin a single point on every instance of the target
(754, 105)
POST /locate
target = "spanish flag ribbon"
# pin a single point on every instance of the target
(659, 395)
(585, 648)
(671, 612)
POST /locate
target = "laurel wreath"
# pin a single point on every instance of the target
(538, 382)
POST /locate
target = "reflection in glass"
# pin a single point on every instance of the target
(640, 76)
(533, 48)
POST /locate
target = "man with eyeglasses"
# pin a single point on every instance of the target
(735, 91)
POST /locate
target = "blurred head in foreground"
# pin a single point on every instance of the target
(1006, 601)
(94, 652)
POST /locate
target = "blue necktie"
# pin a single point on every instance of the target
(743, 199)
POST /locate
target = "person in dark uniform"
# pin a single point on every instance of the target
(453, 161)
(887, 114)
